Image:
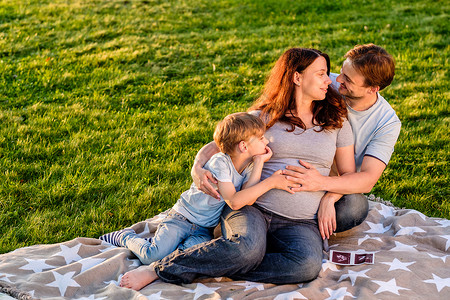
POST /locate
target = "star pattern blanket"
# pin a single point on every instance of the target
(411, 262)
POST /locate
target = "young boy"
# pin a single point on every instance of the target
(244, 150)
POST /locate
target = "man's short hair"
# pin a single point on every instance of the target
(374, 63)
(235, 128)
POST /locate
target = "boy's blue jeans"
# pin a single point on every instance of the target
(259, 246)
(174, 232)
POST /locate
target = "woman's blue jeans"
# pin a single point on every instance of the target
(257, 245)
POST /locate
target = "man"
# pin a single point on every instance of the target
(367, 70)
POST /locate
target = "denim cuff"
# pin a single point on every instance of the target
(167, 277)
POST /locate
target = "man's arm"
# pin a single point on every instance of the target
(350, 183)
(202, 177)
(326, 214)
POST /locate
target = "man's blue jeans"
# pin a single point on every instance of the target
(258, 246)
(174, 232)
(351, 210)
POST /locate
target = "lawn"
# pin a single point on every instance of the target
(104, 104)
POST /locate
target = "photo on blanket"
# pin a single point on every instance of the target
(339, 257)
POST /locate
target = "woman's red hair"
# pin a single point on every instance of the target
(278, 98)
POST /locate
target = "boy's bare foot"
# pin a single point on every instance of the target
(138, 278)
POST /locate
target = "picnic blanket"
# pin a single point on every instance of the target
(411, 262)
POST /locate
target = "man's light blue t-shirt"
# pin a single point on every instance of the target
(375, 130)
(202, 209)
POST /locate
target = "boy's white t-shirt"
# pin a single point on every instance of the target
(375, 130)
(202, 209)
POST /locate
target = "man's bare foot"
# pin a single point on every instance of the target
(138, 278)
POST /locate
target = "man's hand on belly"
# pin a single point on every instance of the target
(306, 175)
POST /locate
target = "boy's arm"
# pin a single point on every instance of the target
(255, 177)
(248, 196)
(258, 163)
(202, 177)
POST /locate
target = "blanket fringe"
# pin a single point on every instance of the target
(373, 198)
(13, 292)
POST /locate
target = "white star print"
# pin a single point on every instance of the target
(338, 294)
(388, 286)
(62, 282)
(109, 247)
(290, 296)
(114, 281)
(146, 232)
(439, 282)
(201, 290)
(447, 237)
(88, 263)
(250, 285)
(36, 265)
(443, 222)
(408, 230)
(353, 275)
(440, 257)
(386, 211)
(91, 297)
(367, 237)
(398, 265)
(403, 247)
(135, 262)
(69, 254)
(417, 213)
(326, 264)
(6, 278)
(218, 279)
(156, 296)
(377, 228)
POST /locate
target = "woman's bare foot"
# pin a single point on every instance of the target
(138, 278)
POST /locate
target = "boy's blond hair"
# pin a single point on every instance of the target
(235, 128)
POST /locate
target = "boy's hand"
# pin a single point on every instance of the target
(264, 157)
(280, 182)
(202, 179)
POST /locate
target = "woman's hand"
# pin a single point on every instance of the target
(326, 216)
(202, 179)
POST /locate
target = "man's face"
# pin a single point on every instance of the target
(352, 82)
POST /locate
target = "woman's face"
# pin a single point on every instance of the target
(314, 80)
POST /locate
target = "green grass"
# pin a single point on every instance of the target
(104, 104)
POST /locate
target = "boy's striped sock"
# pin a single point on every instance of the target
(114, 237)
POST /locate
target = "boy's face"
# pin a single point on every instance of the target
(256, 145)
